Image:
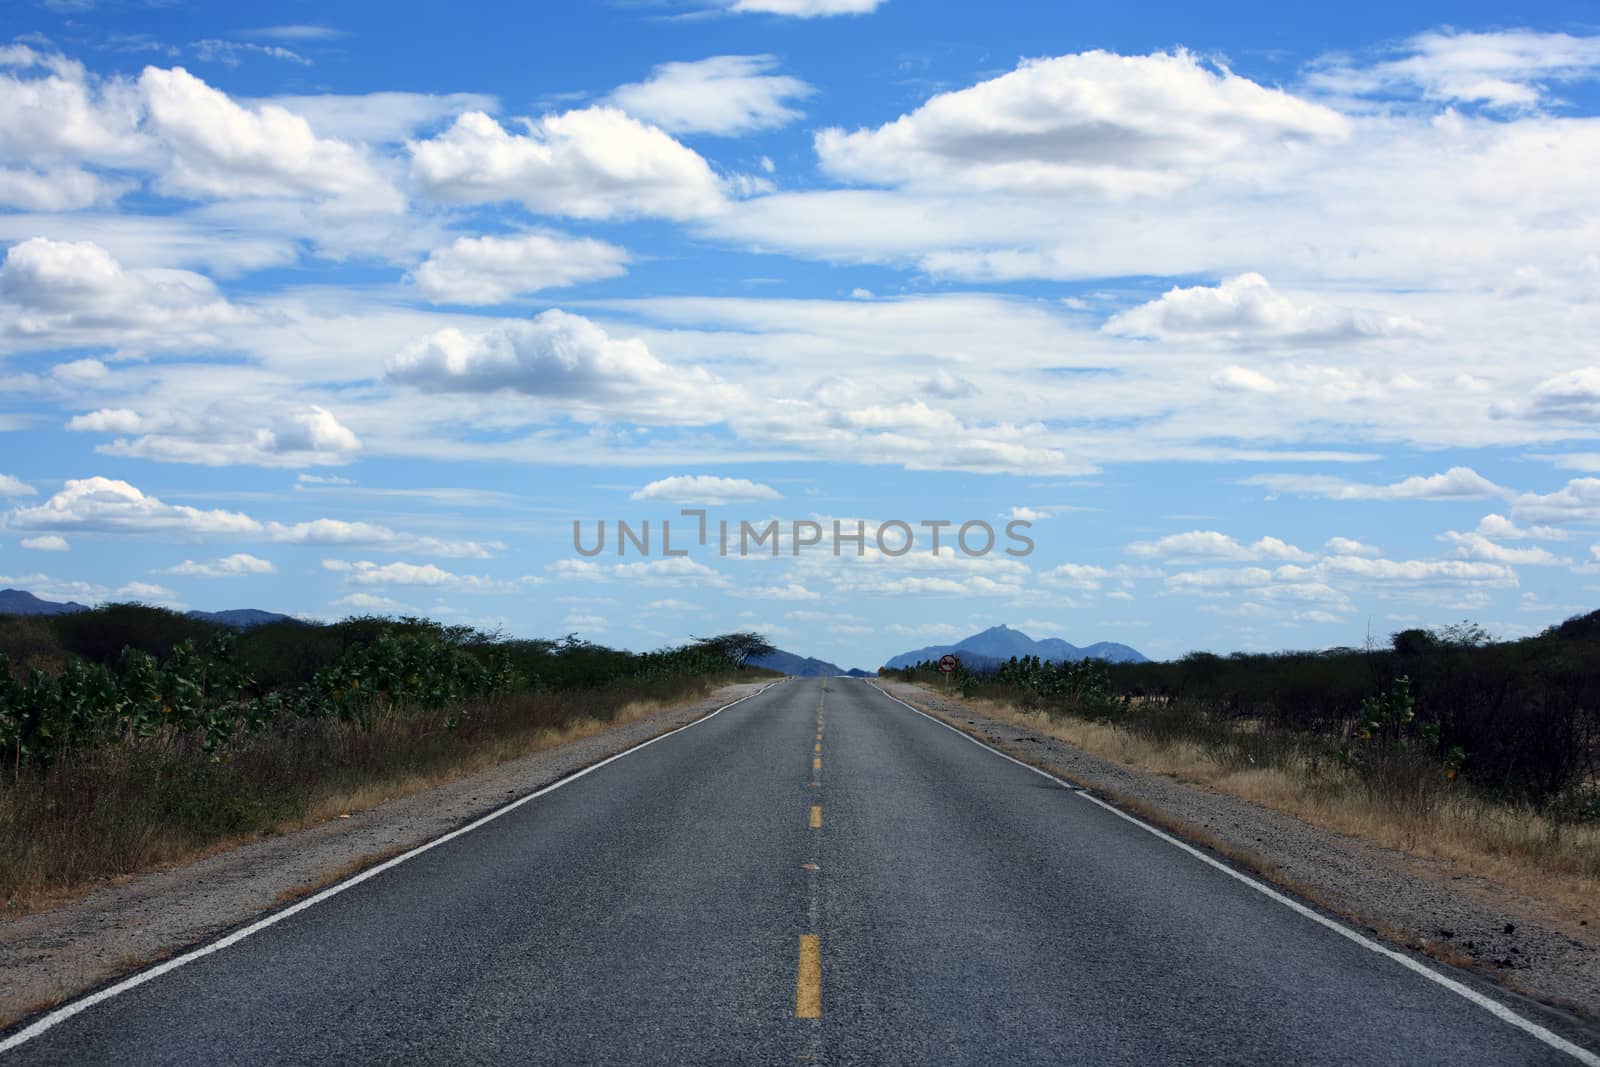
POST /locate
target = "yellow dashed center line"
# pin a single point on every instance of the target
(816, 816)
(816, 764)
(818, 748)
(808, 983)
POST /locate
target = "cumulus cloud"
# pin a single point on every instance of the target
(1474, 545)
(1076, 575)
(368, 573)
(1500, 528)
(109, 506)
(595, 163)
(61, 115)
(106, 505)
(216, 438)
(1574, 396)
(1457, 483)
(238, 565)
(565, 358)
(725, 95)
(1247, 309)
(1577, 501)
(1094, 121)
(11, 485)
(674, 571)
(368, 602)
(65, 292)
(1345, 546)
(47, 543)
(493, 270)
(705, 489)
(1211, 544)
(221, 149)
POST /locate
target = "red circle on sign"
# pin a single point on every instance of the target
(947, 663)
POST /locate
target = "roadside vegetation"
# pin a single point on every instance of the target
(132, 736)
(1440, 743)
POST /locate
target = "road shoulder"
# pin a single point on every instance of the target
(50, 956)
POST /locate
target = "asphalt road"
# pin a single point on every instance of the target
(815, 875)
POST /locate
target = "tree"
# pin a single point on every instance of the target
(739, 648)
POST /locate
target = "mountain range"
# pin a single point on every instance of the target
(20, 602)
(986, 649)
(992, 647)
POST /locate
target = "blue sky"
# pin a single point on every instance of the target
(1278, 325)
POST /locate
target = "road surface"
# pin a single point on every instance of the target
(817, 874)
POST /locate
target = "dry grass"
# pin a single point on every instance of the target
(1515, 847)
(338, 874)
(114, 812)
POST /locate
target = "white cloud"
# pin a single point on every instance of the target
(596, 163)
(80, 372)
(1577, 501)
(59, 293)
(1076, 575)
(57, 189)
(47, 543)
(231, 437)
(676, 571)
(379, 118)
(1088, 122)
(63, 117)
(725, 95)
(108, 506)
(1247, 309)
(806, 9)
(1500, 528)
(368, 602)
(1574, 395)
(1457, 483)
(368, 573)
(105, 505)
(566, 359)
(1503, 69)
(11, 485)
(944, 385)
(1344, 546)
(493, 270)
(240, 564)
(149, 593)
(221, 149)
(791, 591)
(1210, 544)
(705, 489)
(229, 53)
(1477, 546)
(1244, 380)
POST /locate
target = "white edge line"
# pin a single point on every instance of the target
(1492, 1006)
(62, 1014)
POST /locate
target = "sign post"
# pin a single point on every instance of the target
(948, 665)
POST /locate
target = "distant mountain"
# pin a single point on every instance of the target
(19, 602)
(802, 666)
(240, 618)
(992, 647)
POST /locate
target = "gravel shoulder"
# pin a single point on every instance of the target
(1532, 947)
(49, 956)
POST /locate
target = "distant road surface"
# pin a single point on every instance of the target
(817, 874)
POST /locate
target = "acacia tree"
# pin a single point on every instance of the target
(738, 648)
